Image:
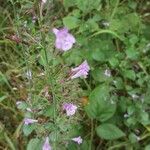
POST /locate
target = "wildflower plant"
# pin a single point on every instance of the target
(82, 75)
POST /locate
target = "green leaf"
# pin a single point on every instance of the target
(68, 3)
(22, 105)
(147, 147)
(71, 22)
(114, 62)
(130, 74)
(133, 138)
(100, 106)
(98, 75)
(3, 97)
(109, 131)
(48, 111)
(27, 129)
(102, 50)
(43, 58)
(34, 144)
(144, 118)
(73, 57)
(132, 53)
(88, 5)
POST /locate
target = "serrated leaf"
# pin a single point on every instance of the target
(98, 75)
(87, 6)
(27, 129)
(71, 22)
(130, 74)
(109, 131)
(100, 106)
(102, 50)
(68, 3)
(34, 144)
(147, 147)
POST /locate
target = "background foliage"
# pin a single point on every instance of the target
(113, 109)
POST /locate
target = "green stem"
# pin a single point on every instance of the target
(107, 31)
(50, 79)
(127, 143)
(92, 134)
(9, 141)
(87, 85)
(118, 145)
(114, 11)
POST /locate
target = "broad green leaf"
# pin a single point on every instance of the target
(102, 50)
(98, 75)
(71, 22)
(48, 111)
(3, 97)
(88, 5)
(114, 62)
(68, 3)
(132, 53)
(130, 74)
(73, 57)
(22, 105)
(27, 129)
(109, 131)
(34, 144)
(133, 138)
(144, 118)
(100, 106)
(147, 147)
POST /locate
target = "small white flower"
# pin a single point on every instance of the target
(138, 138)
(107, 73)
(29, 109)
(29, 74)
(126, 115)
(134, 96)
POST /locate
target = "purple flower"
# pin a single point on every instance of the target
(28, 121)
(69, 108)
(77, 140)
(64, 40)
(46, 145)
(81, 71)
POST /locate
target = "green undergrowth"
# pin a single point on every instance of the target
(113, 102)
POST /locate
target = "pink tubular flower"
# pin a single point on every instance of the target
(46, 145)
(69, 108)
(64, 40)
(77, 140)
(28, 121)
(81, 71)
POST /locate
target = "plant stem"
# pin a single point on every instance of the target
(50, 79)
(87, 85)
(92, 134)
(114, 11)
(107, 31)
